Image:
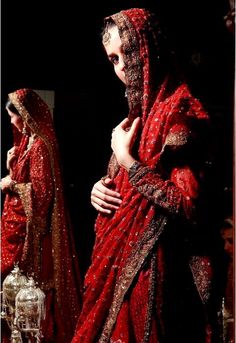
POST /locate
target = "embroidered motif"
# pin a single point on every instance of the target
(201, 269)
(134, 263)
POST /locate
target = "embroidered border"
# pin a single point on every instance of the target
(134, 263)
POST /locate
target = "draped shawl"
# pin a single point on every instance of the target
(36, 230)
(160, 190)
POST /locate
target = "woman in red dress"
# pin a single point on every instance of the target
(149, 280)
(35, 229)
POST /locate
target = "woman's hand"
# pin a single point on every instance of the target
(103, 198)
(11, 156)
(123, 138)
(7, 183)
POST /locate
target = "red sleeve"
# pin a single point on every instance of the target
(41, 178)
(175, 183)
(175, 195)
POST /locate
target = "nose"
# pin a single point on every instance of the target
(227, 246)
(122, 65)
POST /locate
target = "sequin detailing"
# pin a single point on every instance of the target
(176, 139)
(35, 228)
(201, 269)
(129, 256)
(133, 265)
(24, 190)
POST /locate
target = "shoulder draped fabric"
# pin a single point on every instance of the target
(35, 225)
(144, 283)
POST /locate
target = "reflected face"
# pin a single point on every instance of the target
(16, 120)
(227, 235)
(114, 52)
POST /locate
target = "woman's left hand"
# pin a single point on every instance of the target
(123, 138)
(6, 183)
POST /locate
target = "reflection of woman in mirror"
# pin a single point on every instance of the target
(227, 234)
(35, 231)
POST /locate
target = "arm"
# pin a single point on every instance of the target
(103, 197)
(37, 193)
(175, 193)
(7, 183)
(41, 178)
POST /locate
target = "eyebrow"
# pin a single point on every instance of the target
(112, 54)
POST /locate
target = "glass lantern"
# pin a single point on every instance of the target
(11, 286)
(30, 309)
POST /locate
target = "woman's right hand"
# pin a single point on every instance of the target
(103, 198)
(11, 156)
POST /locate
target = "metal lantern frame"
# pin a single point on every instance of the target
(23, 306)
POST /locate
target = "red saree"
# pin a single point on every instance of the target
(148, 282)
(35, 226)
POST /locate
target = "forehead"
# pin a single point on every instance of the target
(113, 41)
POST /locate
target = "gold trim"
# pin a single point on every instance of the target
(134, 263)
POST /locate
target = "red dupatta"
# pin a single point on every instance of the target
(126, 238)
(66, 275)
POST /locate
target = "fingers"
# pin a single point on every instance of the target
(135, 126)
(125, 125)
(11, 151)
(104, 199)
(106, 181)
(100, 187)
(5, 183)
(11, 155)
(103, 206)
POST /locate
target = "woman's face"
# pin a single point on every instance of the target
(16, 120)
(114, 52)
(228, 237)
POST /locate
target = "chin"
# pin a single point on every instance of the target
(122, 79)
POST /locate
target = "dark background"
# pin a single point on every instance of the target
(57, 46)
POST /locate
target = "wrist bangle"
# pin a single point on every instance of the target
(134, 168)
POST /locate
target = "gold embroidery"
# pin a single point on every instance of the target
(106, 37)
(24, 190)
(179, 138)
(133, 71)
(199, 267)
(134, 263)
(151, 296)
